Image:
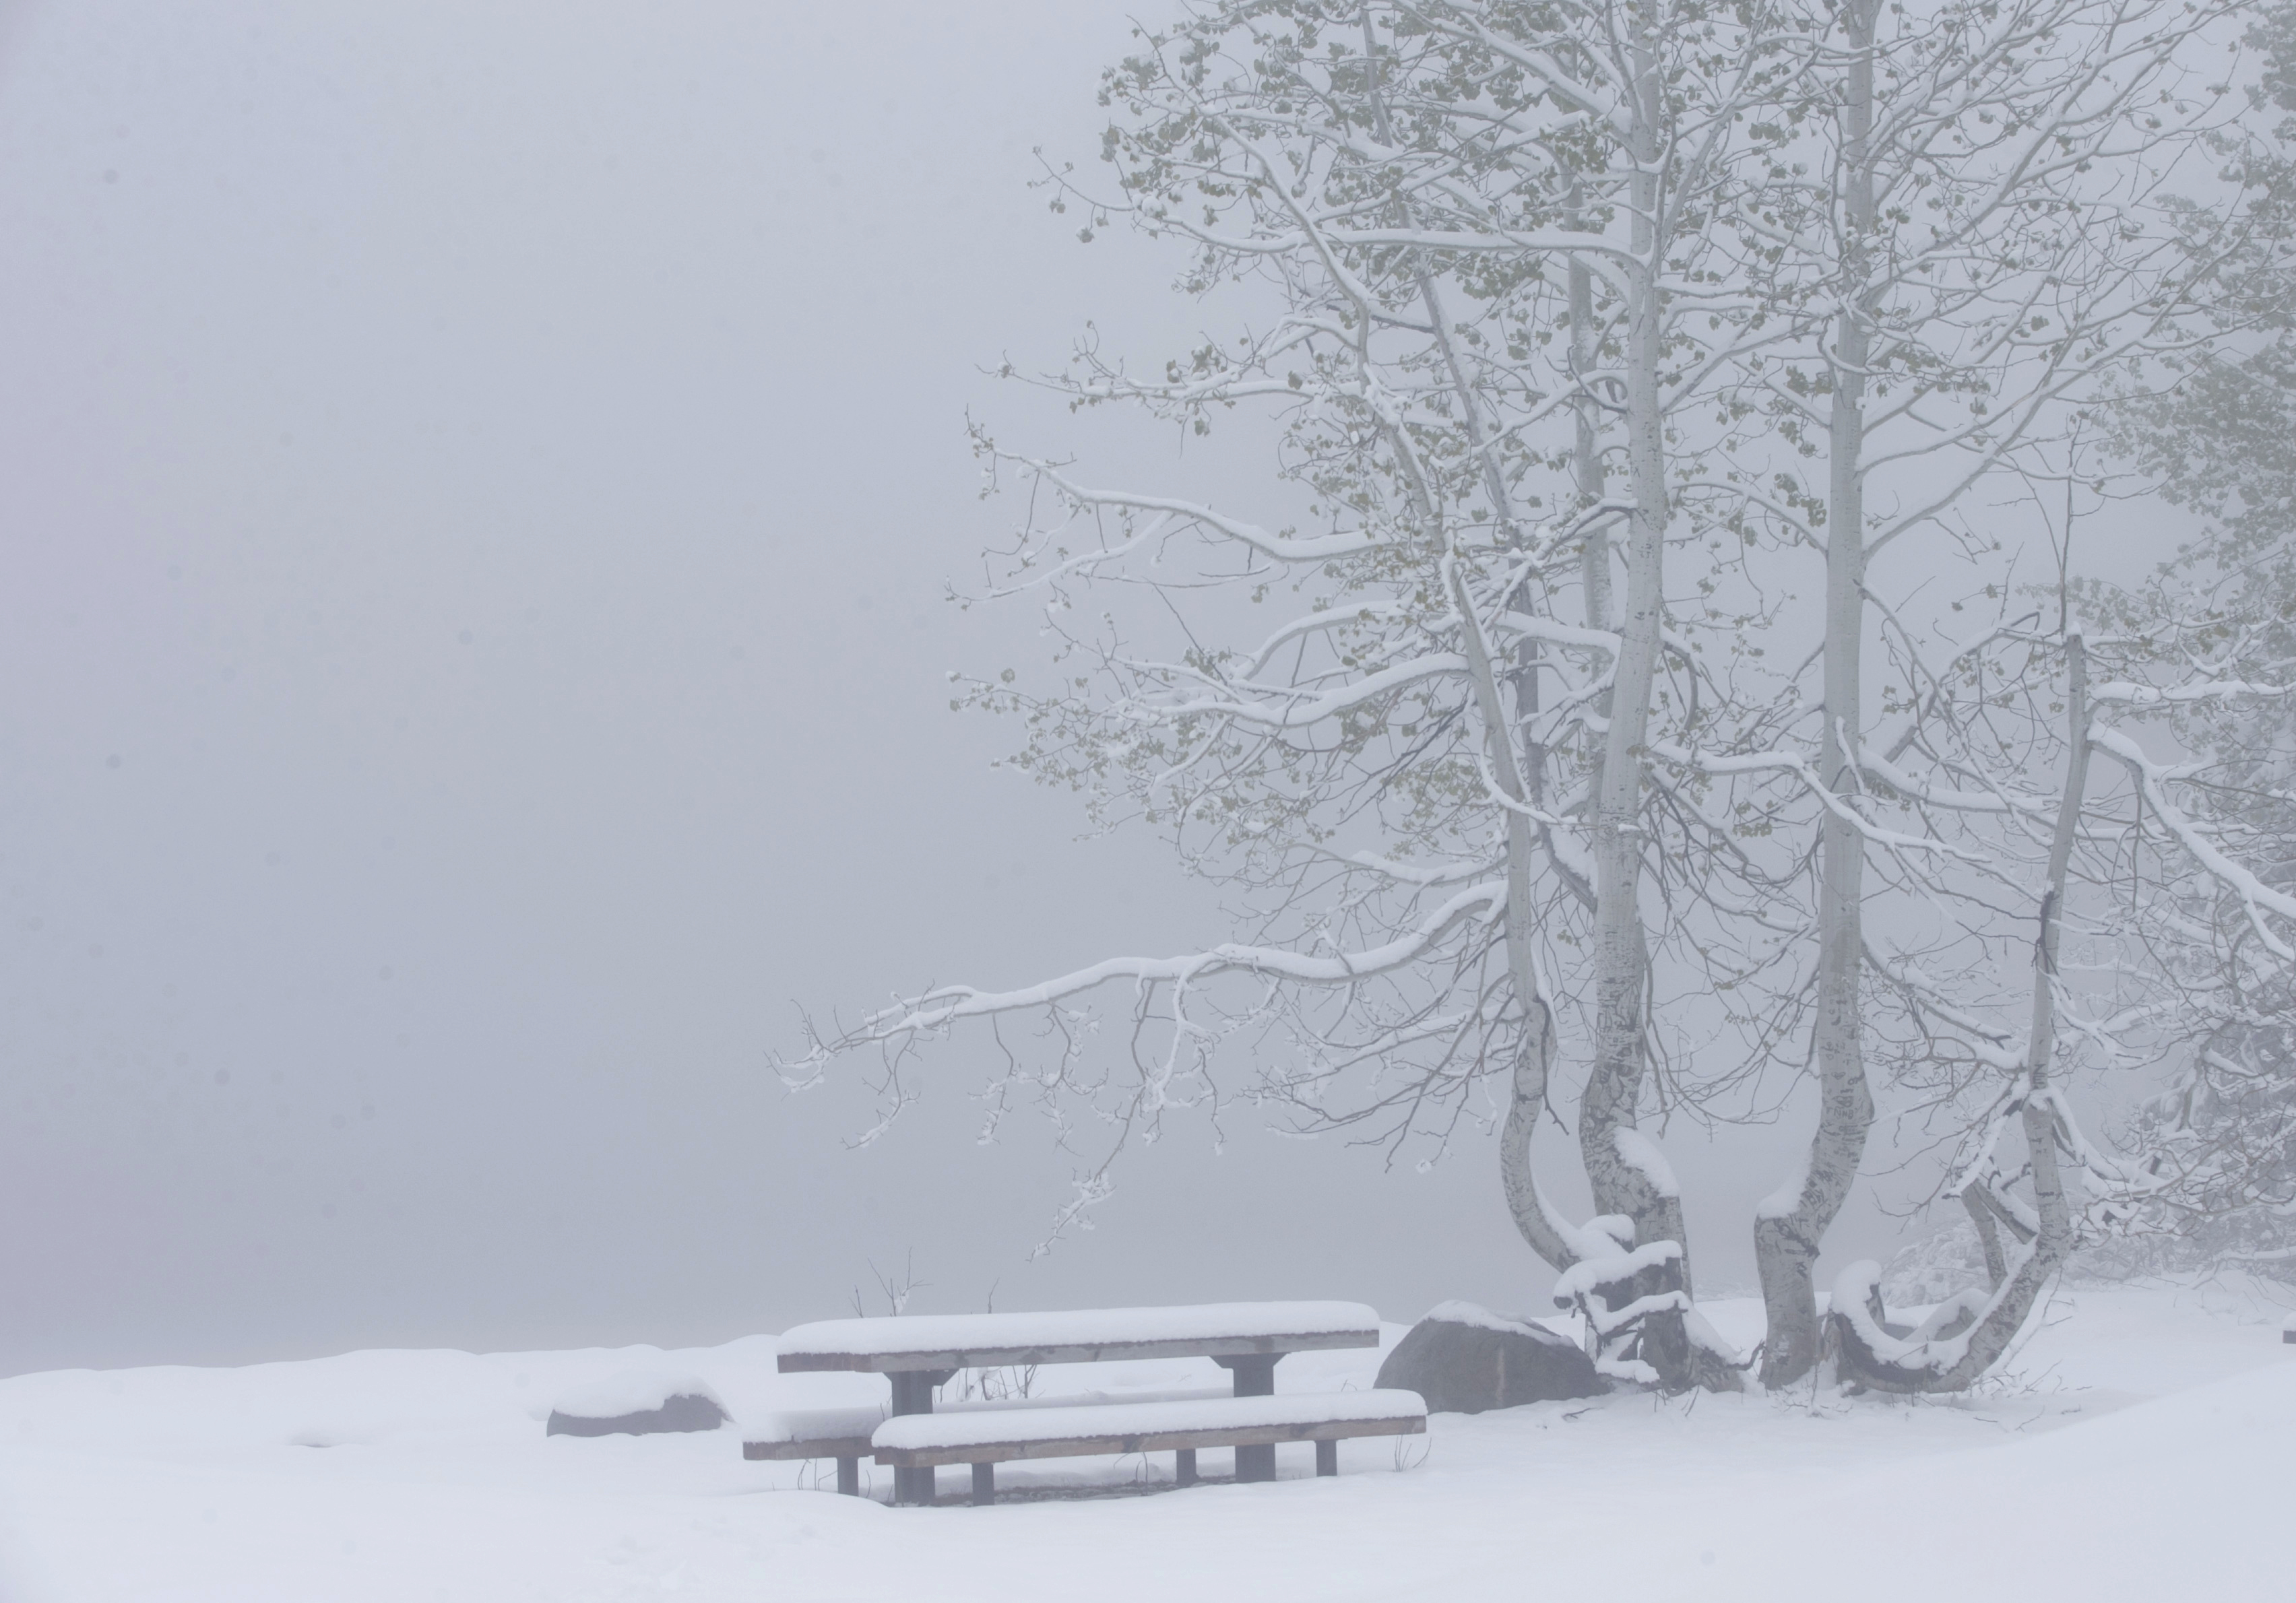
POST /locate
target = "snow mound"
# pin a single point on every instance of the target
(634, 1391)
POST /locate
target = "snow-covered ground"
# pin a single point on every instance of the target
(2143, 1446)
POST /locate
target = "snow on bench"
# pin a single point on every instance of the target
(821, 1432)
(971, 1341)
(817, 1432)
(985, 1439)
(844, 1434)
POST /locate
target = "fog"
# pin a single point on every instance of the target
(477, 486)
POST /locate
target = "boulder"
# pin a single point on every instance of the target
(1463, 1359)
(636, 1402)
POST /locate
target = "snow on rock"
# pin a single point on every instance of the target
(637, 1402)
(1465, 1359)
(632, 1391)
(676, 1414)
(1483, 1318)
(1113, 1328)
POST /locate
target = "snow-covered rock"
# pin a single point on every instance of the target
(637, 1402)
(1465, 1360)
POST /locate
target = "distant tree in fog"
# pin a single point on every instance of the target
(2219, 1143)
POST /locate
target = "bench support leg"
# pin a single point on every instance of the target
(1184, 1467)
(848, 1477)
(984, 1484)
(1255, 1376)
(1327, 1458)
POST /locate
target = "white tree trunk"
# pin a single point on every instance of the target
(1623, 1169)
(1790, 1224)
(1942, 1363)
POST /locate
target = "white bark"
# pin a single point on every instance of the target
(1787, 1241)
(1941, 1364)
(1973, 277)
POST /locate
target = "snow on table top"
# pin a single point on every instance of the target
(1109, 1332)
(915, 1431)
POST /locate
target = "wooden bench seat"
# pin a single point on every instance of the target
(987, 1438)
(844, 1434)
(817, 1432)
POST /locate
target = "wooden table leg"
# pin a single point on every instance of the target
(912, 1391)
(848, 1476)
(1255, 1376)
(1184, 1467)
(1327, 1458)
(984, 1484)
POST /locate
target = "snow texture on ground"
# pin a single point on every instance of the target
(2138, 1447)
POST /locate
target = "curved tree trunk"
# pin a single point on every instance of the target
(1624, 1169)
(1622, 1184)
(1792, 1223)
(1936, 1362)
(1548, 1234)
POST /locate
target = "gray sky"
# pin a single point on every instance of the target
(475, 484)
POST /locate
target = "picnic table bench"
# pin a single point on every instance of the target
(918, 1353)
(847, 1434)
(918, 1442)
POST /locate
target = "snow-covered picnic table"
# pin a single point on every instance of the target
(918, 1353)
(971, 1341)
